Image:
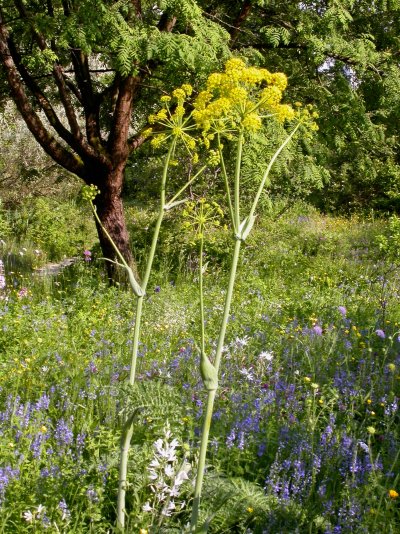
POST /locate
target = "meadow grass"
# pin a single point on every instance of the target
(305, 432)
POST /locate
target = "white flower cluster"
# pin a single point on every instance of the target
(166, 476)
(37, 514)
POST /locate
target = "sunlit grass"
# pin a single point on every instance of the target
(306, 424)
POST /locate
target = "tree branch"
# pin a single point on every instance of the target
(90, 103)
(240, 19)
(136, 141)
(118, 138)
(76, 139)
(166, 23)
(51, 146)
(137, 5)
(42, 99)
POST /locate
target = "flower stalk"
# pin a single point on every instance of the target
(241, 232)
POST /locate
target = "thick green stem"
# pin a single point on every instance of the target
(202, 461)
(202, 332)
(228, 300)
(136, 338)
(235, 213)
(160, 215)
(212, 393)
(150, 259)
(268, 169)
(238, 167)
(128, 428)
(228, 189)
(123, 469)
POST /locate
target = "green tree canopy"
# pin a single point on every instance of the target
(85, 74)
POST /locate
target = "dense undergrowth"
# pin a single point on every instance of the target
(305, 434)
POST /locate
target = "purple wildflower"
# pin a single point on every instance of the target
(7, 474)
(65, 513)
(43, 403)
(380, 333)
(231, 439)
(91, 494)
(2, 275)
(87, 255)
(22, 293)
(63, 433)
(91, 368)
(317, 330)
(157, 289)
(342, 310)
(36, 445)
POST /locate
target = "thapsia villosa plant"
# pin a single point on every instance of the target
(229, 110)
(176, 127)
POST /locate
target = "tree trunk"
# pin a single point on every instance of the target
(111, 214)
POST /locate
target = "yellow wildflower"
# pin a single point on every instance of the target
(162, 115)
(158, 140)
(266, 75)
(213, 157)
(187, 88)
(179, 94)
(214, 81)
(179, 111)
(234, 68)
(393, 494)
(284, 112)
(147, 133)
(238, 95)
(252, 122)
(279, 80)
(202, 100)
(252, 76)
(189, 141)
(271, 96)
(177, 130)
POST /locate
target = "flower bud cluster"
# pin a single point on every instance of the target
(201, 217)
(90, 192)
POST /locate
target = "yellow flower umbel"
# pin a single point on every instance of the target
(237, 98)
(200, 216)
(174, 121)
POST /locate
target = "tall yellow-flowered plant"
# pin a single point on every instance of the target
(232, 107)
